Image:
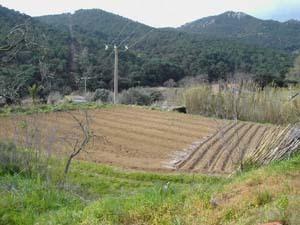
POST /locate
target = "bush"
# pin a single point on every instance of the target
(156, 96)
(263, 198)
(103, 95)
(135, 96)
(140, 96)
(170, 83)
(54, 98)
(193, 81)
(11, 160)
(28, 162)
(14, 160)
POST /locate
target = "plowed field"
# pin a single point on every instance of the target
(137, 138)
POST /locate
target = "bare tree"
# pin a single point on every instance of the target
(79, 145)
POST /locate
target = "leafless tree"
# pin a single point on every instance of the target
(79, 144)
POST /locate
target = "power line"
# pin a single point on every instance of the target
(143, 37)
(121, 32)
(116, 51)
(129, 36)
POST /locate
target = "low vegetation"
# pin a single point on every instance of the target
(245, 102)
(140, 96)
(47, 108)
(97, 194)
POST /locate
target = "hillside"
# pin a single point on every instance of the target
(96, 23)
(95, 28)
(41, 52)
(239, 26)
(98, 194)
(70, 46)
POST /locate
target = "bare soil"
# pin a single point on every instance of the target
(144, 139)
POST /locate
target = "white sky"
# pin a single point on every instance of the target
(157, 13)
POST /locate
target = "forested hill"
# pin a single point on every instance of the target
(152, 52)
(99, 24)
(70, 46)
(239, 26)
(30, 52)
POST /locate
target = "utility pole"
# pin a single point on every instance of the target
(116, 75)
(116, 70)
(85, 81)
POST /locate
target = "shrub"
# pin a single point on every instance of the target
(263, 198)
(89, 96)
(189, 81)
(141, 96)
(2, 101)
(102, 94)
(156, 96)
(12, 161)
(170, 83)
(54, 98)
(28, 162)
(135, 96)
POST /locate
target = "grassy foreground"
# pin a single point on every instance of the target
(97, 194)
(47, 108)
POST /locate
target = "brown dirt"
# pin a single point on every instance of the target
(224, 151)
(144, 139)
(134, 137)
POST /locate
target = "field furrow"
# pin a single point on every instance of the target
(237, 146)
(138, 138)
(167, 121)
(214, 152)
(202, 150)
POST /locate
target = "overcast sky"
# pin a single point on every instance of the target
(162, 13)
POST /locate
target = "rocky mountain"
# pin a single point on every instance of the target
(238, 26)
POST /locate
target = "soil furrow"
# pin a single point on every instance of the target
(215, 153)
(248, 145)
(203, 149)
(168, 121)
(229, 152)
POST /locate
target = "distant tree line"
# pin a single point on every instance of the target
(58, 59)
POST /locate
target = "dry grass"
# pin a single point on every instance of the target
(257, 199)
(252, 103)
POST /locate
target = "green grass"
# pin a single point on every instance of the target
(28, 200)
(98, 194)
(46, 108)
